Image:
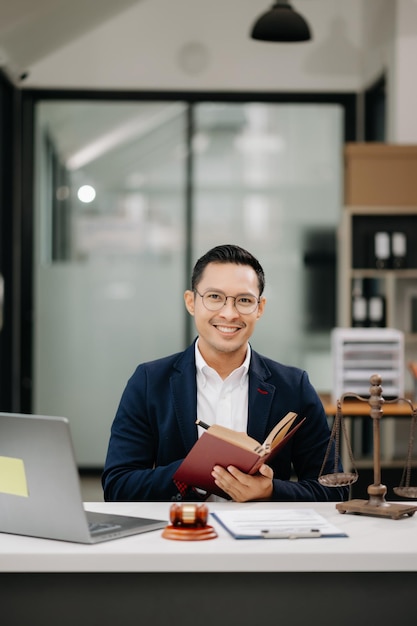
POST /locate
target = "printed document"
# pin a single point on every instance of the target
(276, 524)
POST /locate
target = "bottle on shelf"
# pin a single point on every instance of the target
(399, 249)
(382, 250)
(376, 311)
(359, 305)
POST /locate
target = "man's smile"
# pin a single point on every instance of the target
(227, 329)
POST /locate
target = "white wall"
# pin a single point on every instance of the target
(379, 19)
(205, 44)
(403, 88)
(200, 45)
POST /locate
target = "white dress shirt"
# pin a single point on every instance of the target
(221, 401)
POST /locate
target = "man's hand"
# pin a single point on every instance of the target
(244, 487)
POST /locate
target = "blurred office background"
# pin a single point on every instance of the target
(138, 134)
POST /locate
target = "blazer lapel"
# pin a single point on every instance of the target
(184, 394)
(261, 395)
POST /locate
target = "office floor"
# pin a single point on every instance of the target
(91, 487)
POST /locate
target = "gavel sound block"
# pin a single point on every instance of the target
(189, 523)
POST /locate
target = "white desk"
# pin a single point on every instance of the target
(48, 582)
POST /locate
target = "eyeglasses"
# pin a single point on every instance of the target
(245, 303)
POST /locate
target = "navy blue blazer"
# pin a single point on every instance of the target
(154, 428)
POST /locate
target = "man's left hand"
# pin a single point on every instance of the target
(244, 487)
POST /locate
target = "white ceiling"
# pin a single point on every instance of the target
(33, 29)
(188, 45)
(185, 43)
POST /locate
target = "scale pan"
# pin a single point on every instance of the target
(406, 492)
(339, 479)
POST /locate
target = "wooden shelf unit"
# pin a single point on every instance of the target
(396, 285)
(380, 194)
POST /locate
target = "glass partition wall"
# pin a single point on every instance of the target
(269, 177)
(128, 195)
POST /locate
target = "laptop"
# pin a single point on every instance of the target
(40, 494)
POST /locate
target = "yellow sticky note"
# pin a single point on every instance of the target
(13, 476)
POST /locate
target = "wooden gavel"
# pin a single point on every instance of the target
(188, 514)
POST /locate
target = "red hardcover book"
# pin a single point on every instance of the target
(223, 446)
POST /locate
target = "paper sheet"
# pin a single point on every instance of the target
(283, 523)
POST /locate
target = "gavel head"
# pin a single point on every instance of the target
(188, 514)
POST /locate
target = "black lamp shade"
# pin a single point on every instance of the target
(281, 23)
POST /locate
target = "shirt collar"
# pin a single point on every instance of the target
(202, 366)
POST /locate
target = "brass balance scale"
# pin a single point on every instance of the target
(376, 505)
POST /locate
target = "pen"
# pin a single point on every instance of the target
(202, 424)
(303, 534)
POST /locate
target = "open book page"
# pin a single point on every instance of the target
(239, 438)
(276, 523)
(278, 433)
(246, 442)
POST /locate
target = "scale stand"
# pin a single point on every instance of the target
(376, 505)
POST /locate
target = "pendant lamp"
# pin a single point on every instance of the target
(281, 23)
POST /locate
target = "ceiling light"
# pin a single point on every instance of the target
(86, 194)
(281, 23)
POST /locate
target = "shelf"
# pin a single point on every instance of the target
(398, 287)
(378, 174)
(381, 274)
(380, 197)
(381, 209)
(364, 228)
(367, 463)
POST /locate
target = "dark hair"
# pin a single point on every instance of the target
(227, 253)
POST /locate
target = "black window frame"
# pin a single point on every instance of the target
(31, 97)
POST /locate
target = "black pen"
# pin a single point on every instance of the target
(290, 534)
(202, 424)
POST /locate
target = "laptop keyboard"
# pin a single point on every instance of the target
(102, 527)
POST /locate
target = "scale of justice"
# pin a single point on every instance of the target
(376, 505)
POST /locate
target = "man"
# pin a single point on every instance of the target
(218, 379)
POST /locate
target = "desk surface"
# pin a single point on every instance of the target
(352, 408)
(373, 544)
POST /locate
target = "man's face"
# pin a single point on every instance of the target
(226, 330)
